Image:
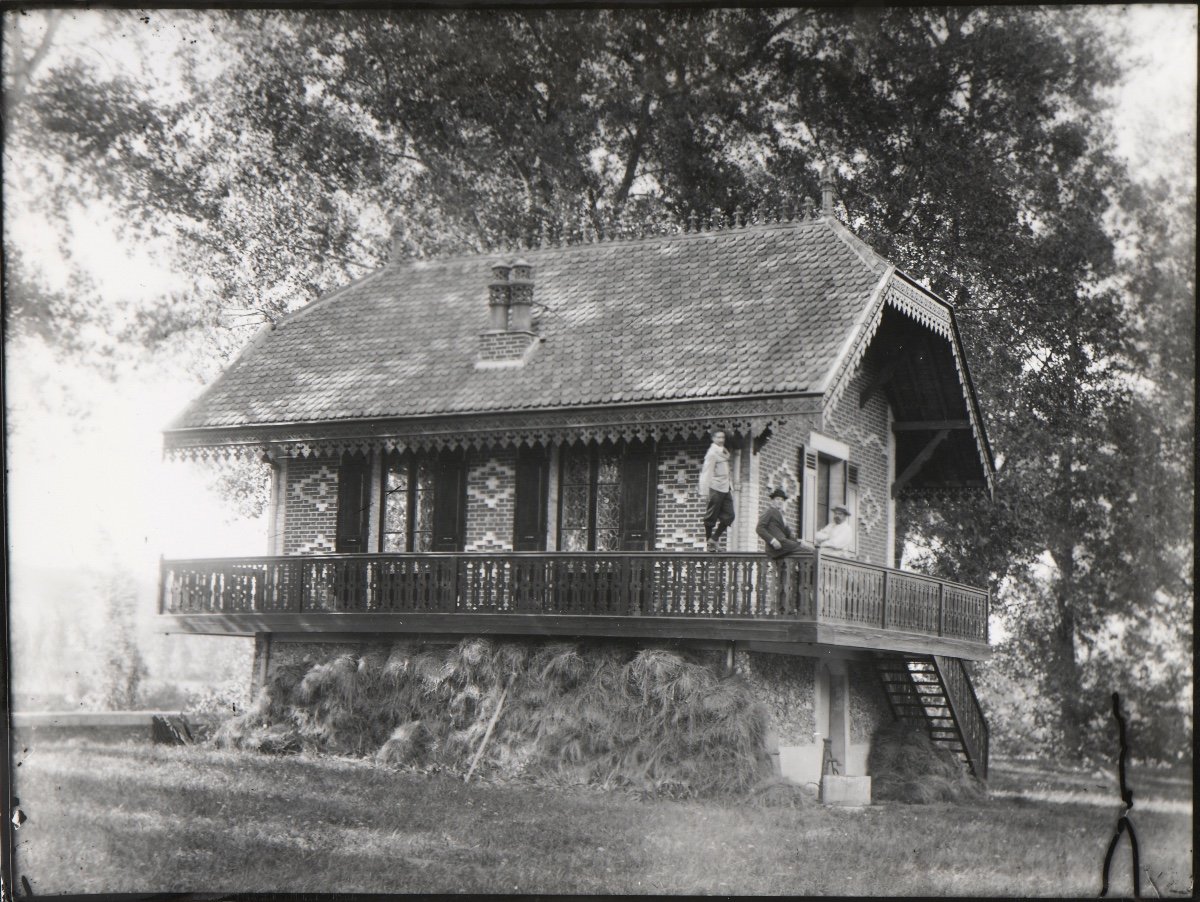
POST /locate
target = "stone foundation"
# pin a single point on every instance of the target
(801, 695)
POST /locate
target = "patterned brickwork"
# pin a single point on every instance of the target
(310, 524)
(680, 509)
(491, 494)
(778, 463)
(865, 430)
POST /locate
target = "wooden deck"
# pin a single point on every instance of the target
(811, 601)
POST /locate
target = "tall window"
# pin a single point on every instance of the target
(423, 503)
(831, 487)
(606, 498)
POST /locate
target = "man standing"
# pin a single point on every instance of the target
(718, 490)
(837, 537)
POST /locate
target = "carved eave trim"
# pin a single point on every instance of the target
(897, 291)
(747, 417)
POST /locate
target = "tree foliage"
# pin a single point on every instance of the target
(969, 146)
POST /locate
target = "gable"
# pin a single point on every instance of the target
(912, 340)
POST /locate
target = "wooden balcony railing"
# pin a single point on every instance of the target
(809, 587)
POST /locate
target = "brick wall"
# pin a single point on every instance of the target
(499, 347)
(491, 500)
(865, 430)
(680, 509)
(778, 464)
(310, 496)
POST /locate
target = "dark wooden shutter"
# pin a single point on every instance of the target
(532, 494)
(639, 487)
(354, 504)
(449, 502)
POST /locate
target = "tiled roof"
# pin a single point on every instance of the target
(756, 310)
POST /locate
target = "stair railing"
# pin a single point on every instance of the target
(966, 710)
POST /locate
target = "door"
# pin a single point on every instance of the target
(638, 488)
(449, 503)
(532, 491)
(354, 504)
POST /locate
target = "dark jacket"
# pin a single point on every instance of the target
(771, 525)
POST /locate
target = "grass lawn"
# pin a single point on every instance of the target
(132, 817)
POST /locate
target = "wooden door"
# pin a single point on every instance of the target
(638, 489)
(532, 496)
(449, 503)
(354, 504)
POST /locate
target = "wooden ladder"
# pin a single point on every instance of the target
(919, 692)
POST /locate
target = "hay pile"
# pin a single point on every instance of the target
(907, 766)
(651, 720)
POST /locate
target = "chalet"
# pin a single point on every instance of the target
(510, 445)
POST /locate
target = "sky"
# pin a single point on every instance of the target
(108, 494)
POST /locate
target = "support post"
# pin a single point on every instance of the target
(839, 713)
(941, 608)
(262, 663)
(883, 603)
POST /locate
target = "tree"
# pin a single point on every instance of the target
(121, 667)
(969, 146)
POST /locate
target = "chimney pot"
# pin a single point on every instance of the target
(499, 298)
(521, 297)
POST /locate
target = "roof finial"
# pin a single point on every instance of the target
(810, 208)
(827, 190)
(396, 251)
(738, 221)
(691, 221)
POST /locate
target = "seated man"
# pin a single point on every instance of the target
(838, 536)
(781, 541)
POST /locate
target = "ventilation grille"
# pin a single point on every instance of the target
(852, 474)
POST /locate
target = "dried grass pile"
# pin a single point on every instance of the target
(907, 766)
(652, 720)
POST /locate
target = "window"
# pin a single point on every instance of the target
(831, 487)
(824, 483)
(606, 497)
(424, 503)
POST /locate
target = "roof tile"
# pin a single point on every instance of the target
(755, 310)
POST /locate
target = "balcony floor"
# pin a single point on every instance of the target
(780, 633)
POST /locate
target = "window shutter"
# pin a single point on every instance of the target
(852, 503)
(808, 494)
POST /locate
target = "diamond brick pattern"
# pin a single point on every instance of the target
(757, 310)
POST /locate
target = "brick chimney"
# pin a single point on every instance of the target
(509, 340)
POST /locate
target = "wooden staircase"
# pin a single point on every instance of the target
(935, 693)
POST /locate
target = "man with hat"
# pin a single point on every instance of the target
(781, 541)
(838, 536)
(773, 529)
